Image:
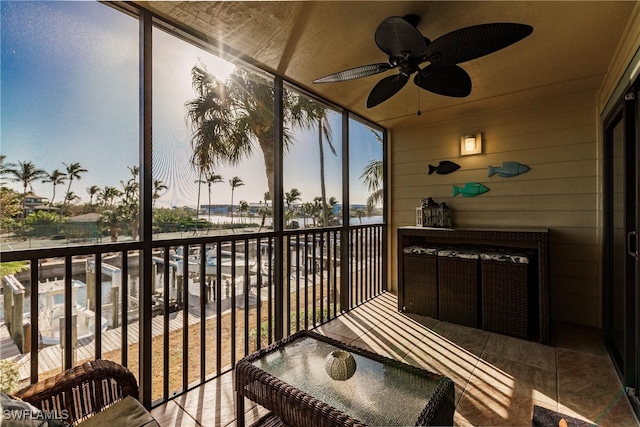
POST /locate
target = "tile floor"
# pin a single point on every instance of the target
(498, 378)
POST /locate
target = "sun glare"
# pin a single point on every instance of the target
(219, 67)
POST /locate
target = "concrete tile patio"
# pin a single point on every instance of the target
(498, 379)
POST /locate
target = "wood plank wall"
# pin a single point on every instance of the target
(558, 139)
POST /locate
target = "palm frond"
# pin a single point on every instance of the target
(372, 175)
(374, 198)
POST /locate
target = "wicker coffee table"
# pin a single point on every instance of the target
(289, 378)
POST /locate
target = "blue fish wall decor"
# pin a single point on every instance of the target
(470, 189)
(508, 169)
(444, 167)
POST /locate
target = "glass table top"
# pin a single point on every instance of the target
(377, 394)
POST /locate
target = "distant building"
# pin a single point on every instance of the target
(183, 208)
(215, 209)
(34, 203)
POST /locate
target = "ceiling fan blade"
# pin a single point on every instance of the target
(444, 80)
(398, 38)
(386, 88)
(473, 42)
(412, 19)
(355, 73)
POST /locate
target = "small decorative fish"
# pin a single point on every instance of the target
(470, 189)
(444, 167)
(508, 169)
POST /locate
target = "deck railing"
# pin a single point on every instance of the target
(215, 299)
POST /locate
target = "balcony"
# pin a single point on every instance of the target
(180, 311)
(498, 379)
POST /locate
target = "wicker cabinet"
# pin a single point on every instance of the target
(505, 283)
(421, 282)
(458, 287)
(511, 298)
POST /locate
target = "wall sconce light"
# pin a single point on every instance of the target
(471, 144)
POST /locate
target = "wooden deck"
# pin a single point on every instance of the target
(8, 349)
(50, 357)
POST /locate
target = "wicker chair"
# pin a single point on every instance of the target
(83, 391)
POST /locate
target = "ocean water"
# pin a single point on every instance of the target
(257, 219)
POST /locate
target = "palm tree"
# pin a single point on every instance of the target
(212, 178)
(199, 181)
(158, 186)
(324, 133)
(316, 210)
(331, 206)
(234, 182)
(228, 117)
(209, 118)
(290, 198)
(25, 173)
(4, 168)
(92, 191)
(307, 211)
(243, 207)
(264, 211)
(55, 178)
(373, 174)
(109, 215)
(73, 172)
(108, 196)
(71, 197)
(130, 204)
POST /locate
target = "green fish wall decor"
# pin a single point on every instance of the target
(508, 169)
(470, 189)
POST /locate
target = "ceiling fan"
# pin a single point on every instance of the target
(407, 49)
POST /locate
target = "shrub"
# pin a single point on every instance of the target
(43, 223)
(8, 376)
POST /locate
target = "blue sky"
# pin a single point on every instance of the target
(69, 93)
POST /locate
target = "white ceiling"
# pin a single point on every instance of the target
(569, 51)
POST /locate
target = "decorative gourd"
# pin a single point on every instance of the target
(340, 365)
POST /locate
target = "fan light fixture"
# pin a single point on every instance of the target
(471, 144)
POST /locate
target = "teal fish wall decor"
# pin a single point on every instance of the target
(444, 167)
(508, 169)
(470, 189)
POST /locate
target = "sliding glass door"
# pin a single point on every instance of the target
(621, 269)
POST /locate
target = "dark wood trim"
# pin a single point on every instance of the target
(624, 359)
(635, 399)
(97, 325)
(67, 341)
(277, 201)
(607, 253)
(124, 294)
(630, 224)
(146, 286)
(34, 304)
(344, 231)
